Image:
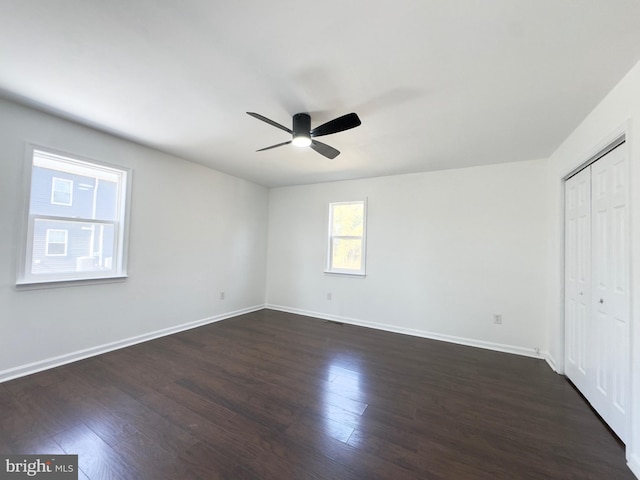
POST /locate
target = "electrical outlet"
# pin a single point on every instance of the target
(221, 295)
(329, 296)
(497, 319)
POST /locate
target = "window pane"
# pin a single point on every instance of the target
(56, 242)
(346, 237)
(348, 219)
(57, 249)
(57, 236)
(61, 198)
(346, 253)
(69, 246)
(55, 182)
(62, 191)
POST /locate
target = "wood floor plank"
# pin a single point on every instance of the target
(273, 395)
(96, 458)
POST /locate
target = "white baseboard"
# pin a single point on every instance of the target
(633, 462)
(551, 362)
(53, 362)
(498, 347)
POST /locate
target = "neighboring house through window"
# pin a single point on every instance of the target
(76, 225)
(347, 231)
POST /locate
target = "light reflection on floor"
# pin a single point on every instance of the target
(344, 400)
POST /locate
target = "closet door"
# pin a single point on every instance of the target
(597, 297)
(610, 299)
(577, 276)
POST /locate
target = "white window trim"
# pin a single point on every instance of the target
(49, 242)
(342, 271)
(55, 180)
(25, 281)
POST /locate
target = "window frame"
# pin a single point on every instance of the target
(25, 279)
(330, 237)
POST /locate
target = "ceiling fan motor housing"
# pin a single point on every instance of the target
(301, 127)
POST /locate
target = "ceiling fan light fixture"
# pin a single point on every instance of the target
(301, 141)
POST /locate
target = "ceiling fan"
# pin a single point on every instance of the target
(303, 136)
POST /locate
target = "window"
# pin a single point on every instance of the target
(62, 191)
(57, 242)
(76, 222)
(347, 229)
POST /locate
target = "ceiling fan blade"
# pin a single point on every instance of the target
(269, 121)
(345, 122)
(324, 149)
(274, 146)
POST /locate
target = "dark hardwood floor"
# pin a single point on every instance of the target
(271, 395)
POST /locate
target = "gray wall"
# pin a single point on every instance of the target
(194, 233)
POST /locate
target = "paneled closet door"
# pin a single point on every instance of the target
(577, 276)
(610, 329)
(597, 297)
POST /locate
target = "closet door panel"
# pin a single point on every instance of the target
(577, 275)
(620, 374)
(611, 296)
(600, 330)
(620, 284)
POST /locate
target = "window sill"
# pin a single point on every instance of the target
(346, 274)
(72, 282)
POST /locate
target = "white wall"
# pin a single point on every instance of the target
(445, 251)
(194, 233)
(619, 111)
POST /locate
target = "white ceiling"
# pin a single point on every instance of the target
(437, 83)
